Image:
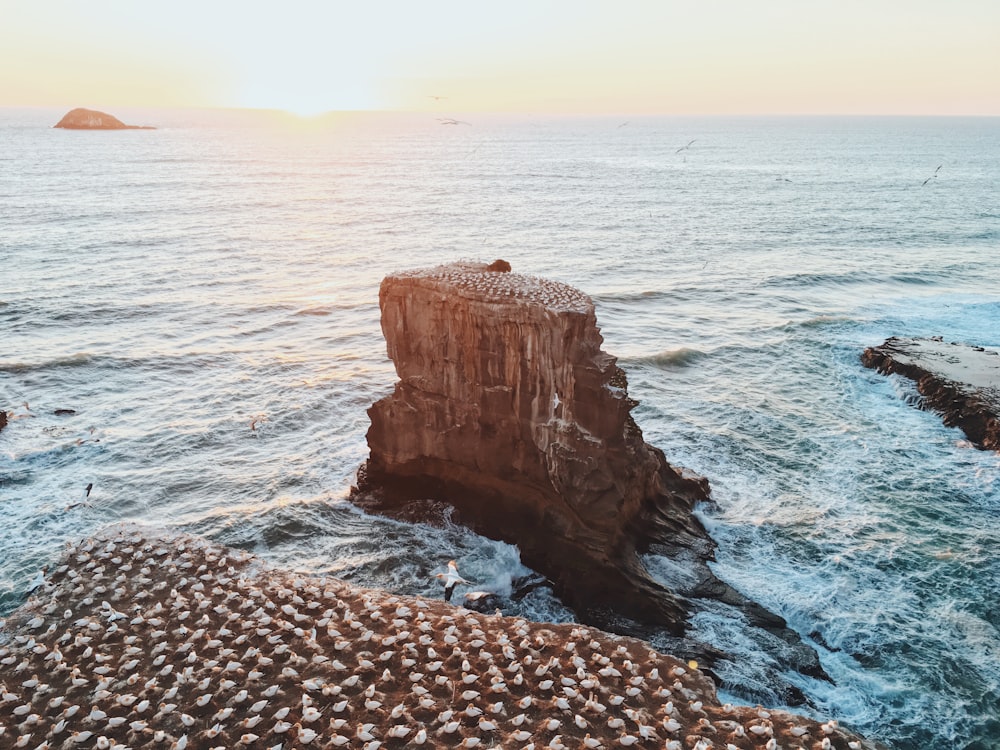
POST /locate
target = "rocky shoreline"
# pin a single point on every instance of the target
(509, 412)
(156, 640)
(959, 381)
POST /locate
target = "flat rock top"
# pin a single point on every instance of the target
(476, 281)
(972, 368)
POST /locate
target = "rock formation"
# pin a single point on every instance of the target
(91, 119)
(3, 419)
(508, 410)
(961, 382)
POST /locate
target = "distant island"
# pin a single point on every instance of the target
(91, 119)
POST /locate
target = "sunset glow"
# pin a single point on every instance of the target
(716, 57)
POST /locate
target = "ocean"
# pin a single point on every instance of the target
(204, 297)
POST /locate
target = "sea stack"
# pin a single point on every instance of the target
(959, 381)
(508, 410)
(91, 119)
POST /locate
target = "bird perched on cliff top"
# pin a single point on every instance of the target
(450, 579)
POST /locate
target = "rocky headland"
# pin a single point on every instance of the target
(959, 381)
(91, 119)
(508, 411)
(141, 640)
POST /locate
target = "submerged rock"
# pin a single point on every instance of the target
(959, 381)
(508, 410)
(91, 119)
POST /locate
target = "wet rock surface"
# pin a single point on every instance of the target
(959, 381)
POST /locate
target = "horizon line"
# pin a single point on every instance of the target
(533, 113)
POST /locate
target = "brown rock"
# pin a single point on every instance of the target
(91, 119)
(3, 419)
(499, 265)
(959, 381)
(508, 410)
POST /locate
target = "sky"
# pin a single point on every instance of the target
(637, 57)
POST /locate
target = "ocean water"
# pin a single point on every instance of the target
(176, 286)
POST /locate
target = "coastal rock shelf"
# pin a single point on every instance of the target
(959, 381)
(508, 410)
(171, 642)
(91, 119)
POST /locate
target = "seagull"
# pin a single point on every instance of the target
(623, 124)
(921, 184)
(450, 579)
(685, 148)
(436, 98)
(452, 121)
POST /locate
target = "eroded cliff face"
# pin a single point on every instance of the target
(508, 409)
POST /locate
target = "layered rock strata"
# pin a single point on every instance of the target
(959, 381)
(169, 642)
(91, 119)
(508, 410)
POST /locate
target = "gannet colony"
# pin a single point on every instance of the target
(171, 642)
(470, 279)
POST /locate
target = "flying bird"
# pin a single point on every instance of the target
(452, 121)
(450, 579)
(932, 176)
(685, 148)
(83, 498)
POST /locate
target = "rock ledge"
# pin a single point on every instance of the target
(959, 381)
